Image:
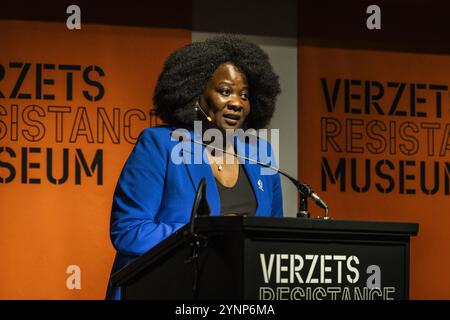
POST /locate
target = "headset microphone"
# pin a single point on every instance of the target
(197, 107)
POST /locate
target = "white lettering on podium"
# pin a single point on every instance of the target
(295, 268)
(324, 269)
(339, 260)
(326, 293)
(281, 267)
(312, 257)
(352, 269)
(310, 268)
(267, 270)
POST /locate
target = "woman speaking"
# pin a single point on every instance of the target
(227, 83)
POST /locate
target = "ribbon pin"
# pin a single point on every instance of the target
(260, 185)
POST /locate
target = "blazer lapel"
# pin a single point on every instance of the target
(199, 168)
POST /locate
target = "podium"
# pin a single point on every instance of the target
(267, 258)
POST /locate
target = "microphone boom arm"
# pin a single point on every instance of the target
(304, 189)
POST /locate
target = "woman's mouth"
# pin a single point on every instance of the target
(231, 119)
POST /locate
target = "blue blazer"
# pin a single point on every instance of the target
(154, 194)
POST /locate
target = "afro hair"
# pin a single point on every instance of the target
(188, 69)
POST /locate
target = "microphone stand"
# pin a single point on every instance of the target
(197, 241)
(305, 191)
(303, 206)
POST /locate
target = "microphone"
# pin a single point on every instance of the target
(197, 241)
(304, 189)
(201, 205)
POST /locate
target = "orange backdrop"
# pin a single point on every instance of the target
(383, 116)
(82, 94)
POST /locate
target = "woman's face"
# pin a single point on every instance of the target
(226, 98)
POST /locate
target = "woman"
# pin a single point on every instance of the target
(228, 84)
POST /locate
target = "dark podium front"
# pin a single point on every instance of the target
(275, 258)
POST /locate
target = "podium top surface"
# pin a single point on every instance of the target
(229, 223)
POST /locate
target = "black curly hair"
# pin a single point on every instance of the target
(188, 69)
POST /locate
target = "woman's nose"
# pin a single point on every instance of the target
(235, 103)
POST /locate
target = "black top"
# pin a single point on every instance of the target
(239, 199)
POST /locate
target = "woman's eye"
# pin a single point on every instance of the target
(244, 95)
(225, 92)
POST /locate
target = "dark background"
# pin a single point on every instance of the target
(414, 25)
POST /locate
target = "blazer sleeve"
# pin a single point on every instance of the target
(137, 198)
